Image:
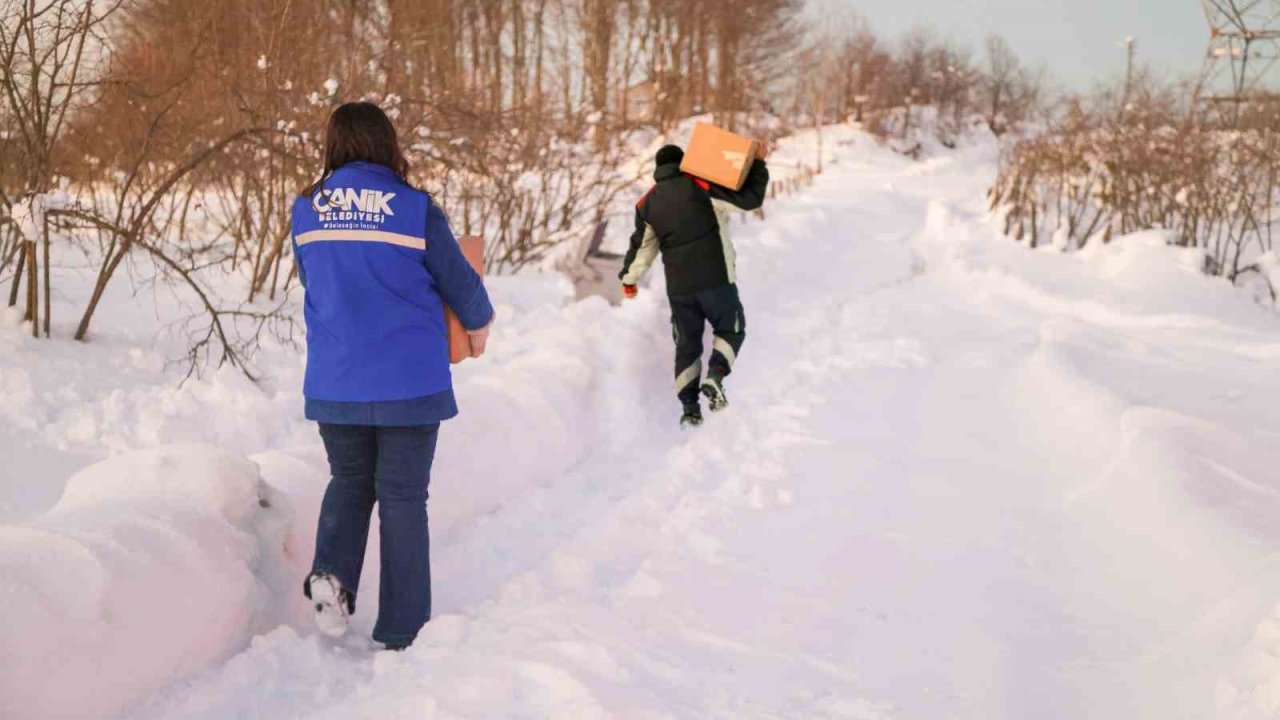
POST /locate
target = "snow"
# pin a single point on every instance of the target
(100, 591)
(29, 213)
(959, 479)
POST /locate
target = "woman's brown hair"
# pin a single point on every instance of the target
(360, 131)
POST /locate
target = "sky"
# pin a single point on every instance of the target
(1079, 41)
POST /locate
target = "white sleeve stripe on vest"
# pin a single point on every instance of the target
(644, 258)
(722, 210)
(383, 236)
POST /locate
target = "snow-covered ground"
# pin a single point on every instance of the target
(959, 479)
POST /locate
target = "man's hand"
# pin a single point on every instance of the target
(630, 291)
(762, 150)
(479, 339)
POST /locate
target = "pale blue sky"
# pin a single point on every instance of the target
(1078, 40)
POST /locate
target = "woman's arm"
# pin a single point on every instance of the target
(459, 285)
(297, 261)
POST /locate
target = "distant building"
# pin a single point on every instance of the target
(639, 103)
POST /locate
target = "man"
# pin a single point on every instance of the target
(686, 219)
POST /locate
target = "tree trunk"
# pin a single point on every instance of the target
(33, 289)
(48, 312)
(100, 287)
(537, 58)
(518, 65)
(17, 276)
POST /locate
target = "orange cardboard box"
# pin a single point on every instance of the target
(719, 156)
(459, 341)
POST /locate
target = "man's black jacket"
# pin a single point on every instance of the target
(678, 218)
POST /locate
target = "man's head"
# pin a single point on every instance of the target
(669, 154)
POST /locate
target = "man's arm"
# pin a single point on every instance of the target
(751, 196)
(641, 254)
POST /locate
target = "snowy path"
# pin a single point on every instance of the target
(958, 480)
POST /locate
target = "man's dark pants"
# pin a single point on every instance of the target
(722, 309)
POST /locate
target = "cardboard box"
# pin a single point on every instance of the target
(719, 156)
(459, 341)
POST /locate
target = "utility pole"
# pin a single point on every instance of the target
(1240, 63)
(1131, 47)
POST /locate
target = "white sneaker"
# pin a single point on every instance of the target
(332, 604)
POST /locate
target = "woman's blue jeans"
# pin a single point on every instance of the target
(392, 467)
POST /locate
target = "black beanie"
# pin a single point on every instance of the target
(669, 154)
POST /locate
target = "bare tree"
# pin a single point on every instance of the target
(1097, 173)
(1010, 93)
(48, 52)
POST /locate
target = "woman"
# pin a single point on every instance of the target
(379, 262)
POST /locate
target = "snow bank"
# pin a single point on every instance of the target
(157, 563)
(69, 404)
(1147, 388)
(150, 567)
